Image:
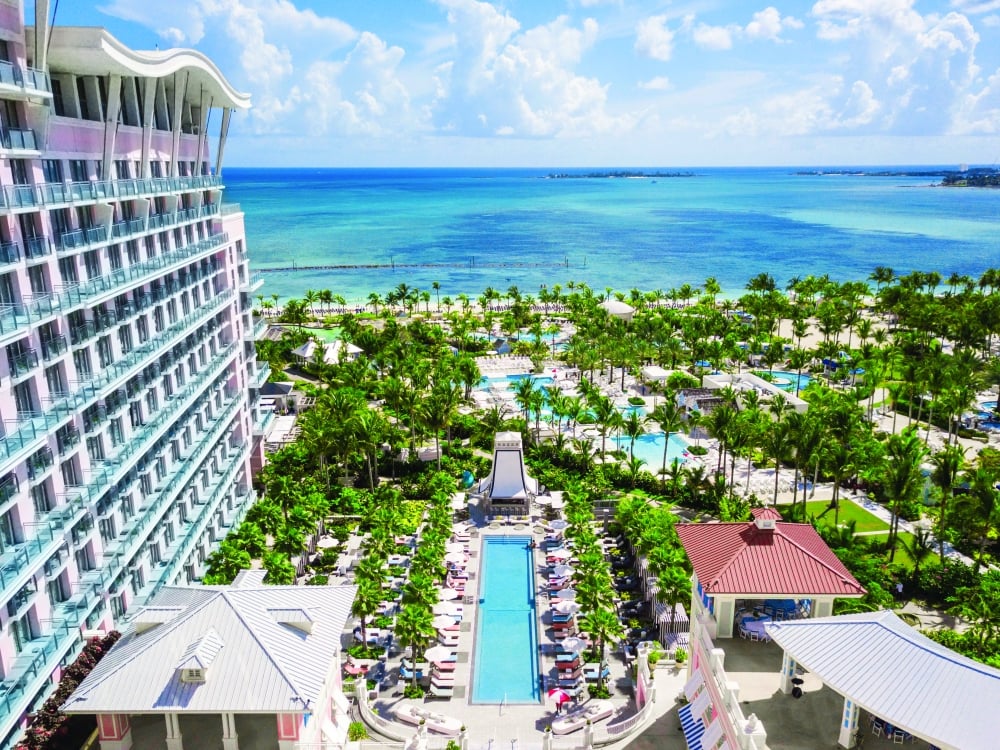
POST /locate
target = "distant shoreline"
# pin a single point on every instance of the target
(625, 174)
(978, 177)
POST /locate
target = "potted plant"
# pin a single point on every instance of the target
(680, 656)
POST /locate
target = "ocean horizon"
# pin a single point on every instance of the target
(360, 230)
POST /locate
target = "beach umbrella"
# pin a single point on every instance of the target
(560, 554)
(559, 524)
(455, 557)
(556, 503)
(443, 621)
(445, 593)
(559, 696)
(458, 501)
(566, 607)
(561, 571)
(438, 653)
(543, 500)
(447, 608)
(460, 528)
(567, 594)
(573, 644)
(327, 542)
(455, 547)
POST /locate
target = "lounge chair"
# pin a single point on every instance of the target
(437, 691)
(444, 666)
(592, 712)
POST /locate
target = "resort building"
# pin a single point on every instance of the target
(246, 665)
(508, 490)
(765, 566)
(128, 383)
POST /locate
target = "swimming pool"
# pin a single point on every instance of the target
(505, 658)
(786, 380)
(649, 447)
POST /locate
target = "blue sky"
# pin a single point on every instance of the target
(591, 82)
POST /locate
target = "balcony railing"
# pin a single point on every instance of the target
(23, 363)
(18, 140)
(37, 247)
(9, 487)
(10, 252)
(67, 439)
(53, 347)
(56, 193)
(258, 379)
(27, 79)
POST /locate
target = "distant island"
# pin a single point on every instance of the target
(625, 174)
(975, 177)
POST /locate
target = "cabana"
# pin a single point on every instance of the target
(764, 559)
(885, 667)
(508, 489)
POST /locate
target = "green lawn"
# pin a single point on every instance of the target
(325, 334)
(849, 511)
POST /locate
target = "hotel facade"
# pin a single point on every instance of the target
(128, 382)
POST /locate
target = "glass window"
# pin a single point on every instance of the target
(52, 169)
(78, 170)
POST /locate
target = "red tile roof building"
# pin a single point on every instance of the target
(764, 558)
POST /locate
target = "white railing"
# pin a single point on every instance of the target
(380, 724)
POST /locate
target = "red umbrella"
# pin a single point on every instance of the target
(560, 696)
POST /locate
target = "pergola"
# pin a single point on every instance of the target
(885, 667)
(764, 558)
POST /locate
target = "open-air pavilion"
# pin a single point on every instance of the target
(761, 560)
(508, 489)
(898, 677)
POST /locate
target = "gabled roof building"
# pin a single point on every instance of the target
(203, 666)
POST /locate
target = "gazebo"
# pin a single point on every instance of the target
(761, 559)
(881, 665)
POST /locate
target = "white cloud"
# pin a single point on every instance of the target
(658, 83)
(520, 83)
(990, 21)
(654, 38)
(976, 6)
(769, 23)
(712, 37)
(860, 108)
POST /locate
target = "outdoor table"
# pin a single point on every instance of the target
(756, 626)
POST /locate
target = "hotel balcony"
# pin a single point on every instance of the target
(19, 141)
(255, 282)
(258, 379)
(21, 436)
(56, 194)
(263, 425)
(23, 83)
(15, 317)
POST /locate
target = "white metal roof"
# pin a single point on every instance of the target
(257, 664)
(894, 672)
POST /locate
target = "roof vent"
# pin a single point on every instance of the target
(196, 660)
(765, 524)
(151, 617)
(293, 618)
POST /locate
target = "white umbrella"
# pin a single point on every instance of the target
(460, 528)
(566, 607)
(446, 593)
(454, 547)
(447, 608)
(556, 503)
(327, 542)
(559, 524)
(566, 594)
(455, 557)
(561, 571)
(444, 621)
(573, 644)
(438, 653)
(458, 502)
(560, 554)
(543, 499)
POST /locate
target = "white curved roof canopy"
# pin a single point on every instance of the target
(894, 672)
(86, 50)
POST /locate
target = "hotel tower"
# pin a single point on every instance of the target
(128, 383)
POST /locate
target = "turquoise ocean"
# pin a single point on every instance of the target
(468, 229)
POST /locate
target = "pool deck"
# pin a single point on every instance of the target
(488, 724)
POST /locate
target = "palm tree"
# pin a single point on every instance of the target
(633, 425)
(919, 547)
(367, 598)
(669, 415)
(949, 463)
(602, 625)
(984, 502)
(902, 479)
(415, 628)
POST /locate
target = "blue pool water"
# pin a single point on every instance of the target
(505, 660)
(786, 380)
(649, 447)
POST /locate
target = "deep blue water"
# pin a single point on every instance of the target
(505, 663)
(473, 228)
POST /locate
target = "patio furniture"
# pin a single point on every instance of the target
(577, 718)
(439, 691)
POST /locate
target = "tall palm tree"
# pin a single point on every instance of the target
(949, 463)
(669, 415)
(633, 425)
(902, 479)
(415, 628)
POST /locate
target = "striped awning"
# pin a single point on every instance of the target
(691, 726)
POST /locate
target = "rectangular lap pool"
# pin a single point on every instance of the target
(505, 660)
